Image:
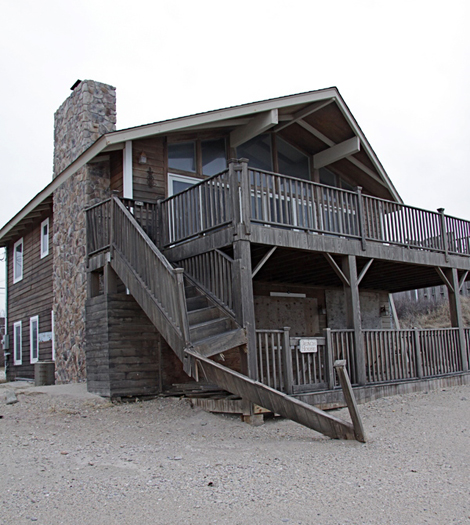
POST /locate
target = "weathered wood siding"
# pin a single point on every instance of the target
(30, 297)
(125, 354)
(115, 169)
(154, 187)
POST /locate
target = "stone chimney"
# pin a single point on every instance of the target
(88, 113)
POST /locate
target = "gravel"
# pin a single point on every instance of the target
(68, 457)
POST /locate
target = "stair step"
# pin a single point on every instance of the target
(191, 291)
(209, 328)
(196, 303)
(221, 343)
(202, 315)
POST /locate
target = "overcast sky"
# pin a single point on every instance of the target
(402, 68)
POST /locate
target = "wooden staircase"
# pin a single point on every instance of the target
(195, 326)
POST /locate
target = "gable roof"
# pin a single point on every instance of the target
(255, 117)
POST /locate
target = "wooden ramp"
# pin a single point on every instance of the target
(274, 400)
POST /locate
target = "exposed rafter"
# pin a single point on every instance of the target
(305, 112)
(337, 152)
(257, 125)
(330, 143)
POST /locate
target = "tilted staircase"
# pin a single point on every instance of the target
(195, 326)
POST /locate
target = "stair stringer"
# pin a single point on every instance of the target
(273, 400)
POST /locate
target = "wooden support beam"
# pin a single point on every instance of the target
(462, 280)
(455, 307)
(396, 321)
(352, 160)
(256, 126)
(337, 152)
(445, 279)
(302, 113)
(242, 290)
(266, 256)
(337, 269)
(364, 271)
(348, 394)
(353, 315)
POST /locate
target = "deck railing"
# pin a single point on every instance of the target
(146, 214)
(249, 195)
(213, 271)
(199, 209)
(390, 356)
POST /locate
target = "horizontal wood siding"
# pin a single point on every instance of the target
(116, 171)
(155, 152)
(30, 297)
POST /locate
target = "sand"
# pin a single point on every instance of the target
(68, 457)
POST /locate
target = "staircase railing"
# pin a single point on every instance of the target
(112, 226)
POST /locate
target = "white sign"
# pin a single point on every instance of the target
(308, 346)
(45, 336)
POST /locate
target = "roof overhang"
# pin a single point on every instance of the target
(255, 118)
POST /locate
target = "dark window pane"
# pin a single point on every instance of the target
(182, 156)
(179, 186)
(327, 177)
(258, 152)
(291, 161)
(213, 156)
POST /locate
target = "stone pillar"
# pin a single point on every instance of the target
(88, 113)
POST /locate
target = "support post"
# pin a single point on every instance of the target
(110, 279)
(455, 308)
(360, 211)
(243, 300)
(353, 315)
(329, 358)
(350, 400)
(287, 361)
(445, 240)
(418, 359)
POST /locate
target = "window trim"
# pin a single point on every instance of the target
(16, 361)
(33, 319)
(180, 178)
(45, 252)
(18, 278)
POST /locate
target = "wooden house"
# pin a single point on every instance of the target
(250, 247)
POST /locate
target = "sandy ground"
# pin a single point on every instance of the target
(70, 457)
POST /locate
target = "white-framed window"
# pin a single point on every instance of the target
(45, 238)
(34, 339)
(18, 261)
(53, 335)
(179, 183)
(17, 338)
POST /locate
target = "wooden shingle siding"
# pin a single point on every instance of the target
(30, 297)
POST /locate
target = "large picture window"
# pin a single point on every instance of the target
(17, 339)
(18, 261)
(34, 339)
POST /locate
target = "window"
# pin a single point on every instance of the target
(291, 161)
(201, 157)
(18, 261)
(258, 152)
(45, 238)
(213, 156)
(182, 156)
(17, 358)
(179, 183)
(34, 338)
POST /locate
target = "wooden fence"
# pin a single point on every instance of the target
(390, 356)
(213, 272)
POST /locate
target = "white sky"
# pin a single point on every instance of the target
(402, 68)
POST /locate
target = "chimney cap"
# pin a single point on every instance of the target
(77, 83)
